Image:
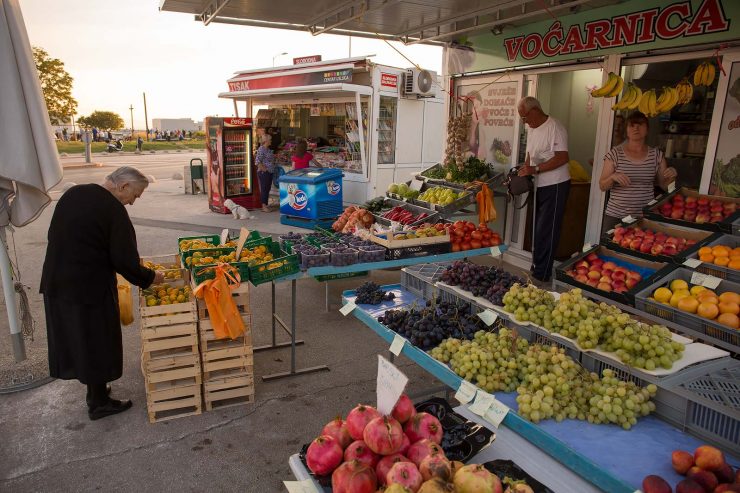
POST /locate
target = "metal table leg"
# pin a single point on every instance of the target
(276, 318)
(326, 296)
(293, 341)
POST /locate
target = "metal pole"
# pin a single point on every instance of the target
(273, 313)
(292, 325)
(131, 107)
(86, 138)
(19, 349)
(146, 119)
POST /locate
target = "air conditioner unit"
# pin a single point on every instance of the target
(419, 82)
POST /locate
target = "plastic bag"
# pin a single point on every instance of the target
(225, 317)
(125, 302)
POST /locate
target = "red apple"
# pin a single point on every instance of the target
(690, 200)
(597, 261)
(604, 286)
(725, 474)
(715, 219)
(634, 275)
(702, 201)
(702, 217)
(609, 265)
(630, 283)
(592, 256)
(677, 214)
(595, 275)
(657, 249)
(655, 484)
(727, 488)
(619, 275)
(593, 283)
(581, 278)
(705, 478)
(715, 203)
(709, 458)
(646, 247)
(691, 205)
(625, 243)
(635, 244)
(671, 241)
(670, 250)
(729, 207)
(689, 486)
(605, 279)
(716, 208)
(619, 230)
(682, 461)
(582, 263)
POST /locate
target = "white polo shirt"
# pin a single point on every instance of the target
(542, 143)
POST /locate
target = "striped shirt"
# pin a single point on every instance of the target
(265, 156)
(630, 200)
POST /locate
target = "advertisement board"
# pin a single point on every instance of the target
(726, 172)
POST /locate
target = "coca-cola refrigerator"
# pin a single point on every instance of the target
(231, 174)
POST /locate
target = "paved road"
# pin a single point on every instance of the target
(160, 165)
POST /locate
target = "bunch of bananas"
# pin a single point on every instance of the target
(611, 88)
(667, 100)
(685, 91)
(630, 99)
(648, 103)
(704, 75)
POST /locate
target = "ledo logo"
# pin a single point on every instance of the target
(333, 187)
(300, 200)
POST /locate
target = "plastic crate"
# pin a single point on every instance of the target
(593, 362)
(283, 265)
(725, 226)
(205, 252)
(701, 238)
(420, 279)
(717, 270)
(465, 200)
(253, 235)
(204, 272)
(210, 239)
(415, 209)
(712, 329)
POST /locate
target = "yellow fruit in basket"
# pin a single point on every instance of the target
(730, 297)
(677, 284)
(662, 295)
(688, 304)
(181, 298)
(730, 320)
(151, 301)
(678, 296)
(728, 307)
(695, 290)
(720, 251)
(707, 296)
(705, 250)
(721, 261)
(734, 263)
(162, 293)
(707, 310)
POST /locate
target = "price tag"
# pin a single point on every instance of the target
(389, 386)
(586, 247)
(495, 251)
(705, 280)
(488, 317)
(653, 202)
(416, 185)
(610, 231)
(465, 392)
(483, 401)
(671, 186)
(496, 413)
(305, 486)
(243, 235)
(692, 262)
(628, 220)
(397, 344)
(224, 236)
(347, 309)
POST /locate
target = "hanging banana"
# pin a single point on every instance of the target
(709, 73)
(685, 91)
(608, 89)
(629, 97)
(699, 75)
(635, 102)
(617, 89)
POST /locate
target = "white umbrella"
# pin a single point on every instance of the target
(29, 163)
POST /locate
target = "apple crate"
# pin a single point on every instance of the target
(652, 211)
(167, 340)
(714, 331)
(240, 294)
(235, 390)
(699, 236)
(648, 269)
(718, 270)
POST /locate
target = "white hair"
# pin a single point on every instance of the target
(128, 174)
(529, 103)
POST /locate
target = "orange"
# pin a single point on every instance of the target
(730, 320)
(697, 289)
(707, 310)
(707, 297)
(662, 295)
(728, 307)
(734, 263)
(707, 257)
(720, 251)
(730, 297)
(736, 251)
(721, 261)
(688, 304)
(678, 284)
(705, 250)
(678, 296)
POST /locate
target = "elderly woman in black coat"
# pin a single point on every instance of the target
(91, 238)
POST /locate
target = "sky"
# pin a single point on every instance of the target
(117, 50)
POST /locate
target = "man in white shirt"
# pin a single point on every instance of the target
(547, 159)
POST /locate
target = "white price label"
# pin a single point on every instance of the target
(586, 247)
(243, 235)
(347, 309)
(610, 231)
(397, 344)
(495, 251)
(711, 282)
(488, 317)
(389, 385)
(671, 186)
(305, 486)
(483, 401)
(628, 219)
(465, 392)
(224, 236)
(653, 202)
(416, 185)
(692, 262)
(496, 413)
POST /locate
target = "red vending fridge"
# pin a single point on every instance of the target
(230, 170)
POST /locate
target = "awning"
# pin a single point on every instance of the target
(408, 21)
(322, 90)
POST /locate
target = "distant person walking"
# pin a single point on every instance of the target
(265, 160)
(95, 134)
(64, 134)
(139, 143)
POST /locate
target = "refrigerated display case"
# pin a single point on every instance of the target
(230, 168)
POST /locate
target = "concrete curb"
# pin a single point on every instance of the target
(81, 165)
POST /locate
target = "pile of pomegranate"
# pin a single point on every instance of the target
(400, 452)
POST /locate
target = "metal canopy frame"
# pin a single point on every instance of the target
(407, 21)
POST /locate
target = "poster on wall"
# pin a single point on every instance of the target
(726, 172)
(491, 136)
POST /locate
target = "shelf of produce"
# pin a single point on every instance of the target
(575, 444)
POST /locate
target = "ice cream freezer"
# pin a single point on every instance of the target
(311, 193)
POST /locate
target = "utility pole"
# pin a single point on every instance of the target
(131, 107)
(146, 119)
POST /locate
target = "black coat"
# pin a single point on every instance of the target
(90, 239)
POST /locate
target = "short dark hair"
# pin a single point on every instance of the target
(638, 117)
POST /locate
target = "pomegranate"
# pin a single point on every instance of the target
(435, 466)
(358, 418)
(324, 455)
(423, 425)
(435, 485)
(404, 409)
(354, 477)
(385, 464)
(455, 466)
(405, 446)
(405, 473)
(358, 450)
(396, 488)
(420, 450)
(337, 428)
(383, 435)
(475, 478)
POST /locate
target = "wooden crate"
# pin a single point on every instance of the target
(178, 313)
(208, 341)
(174, 399)
(227, 362)
(183, 368)
(241, 298)
(171, 266)
(167, 340)
(228, 391)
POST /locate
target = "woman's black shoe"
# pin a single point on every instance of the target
(113, 406)
(88, 397)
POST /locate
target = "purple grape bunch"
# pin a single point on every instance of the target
(490, 283)
(370, 293)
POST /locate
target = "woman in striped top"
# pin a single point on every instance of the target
(630, 173)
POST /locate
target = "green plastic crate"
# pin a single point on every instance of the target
(210, 239)
(253, 235)
(258, 273)
(204, 272)
(207, 252)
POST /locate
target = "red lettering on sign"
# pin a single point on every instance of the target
(708, 19)
(663, 24)
(573, 42)
(532, 46)
(647, 33)
(625, 30)
(551, 42)
(513, 46)
(596, 32)
(388, 80)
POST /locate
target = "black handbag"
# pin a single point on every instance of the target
(518, 185)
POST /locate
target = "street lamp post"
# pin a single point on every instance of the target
(131, 107)
(279, 54)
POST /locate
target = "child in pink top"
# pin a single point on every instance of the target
(301, 157)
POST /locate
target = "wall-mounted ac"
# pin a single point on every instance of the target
(419, 83)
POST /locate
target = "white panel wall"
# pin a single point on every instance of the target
(409, 133)
(434, 133)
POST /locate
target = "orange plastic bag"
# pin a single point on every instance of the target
(224, 315)
(125, 301)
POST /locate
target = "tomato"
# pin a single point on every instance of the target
(485, 243)
(487, 235)
(475, 244)
(495, 241)
(469, 227)
(483, 227)
(455, 247)
(439, 226)
(465, 245)
(459, 224)
(476, 235)
(459, 232)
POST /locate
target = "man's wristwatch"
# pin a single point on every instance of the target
(537, 170)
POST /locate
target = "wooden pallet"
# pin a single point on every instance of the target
(229, 391)
(241, 298)
(167, 340)
(208, 341)
(174, 399)
(221, 363)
